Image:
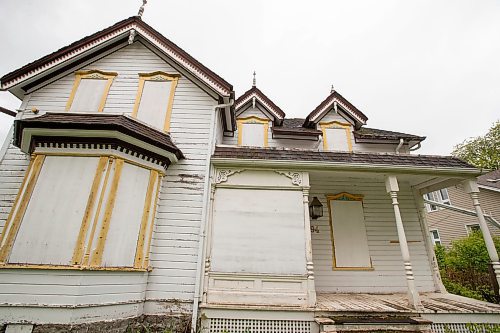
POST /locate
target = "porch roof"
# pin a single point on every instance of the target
(366, 160)
(389, 303)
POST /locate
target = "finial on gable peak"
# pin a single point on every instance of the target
(332, 90)
(254, 79)
(141, 9)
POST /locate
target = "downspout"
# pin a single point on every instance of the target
(401, 142)
(214, 119)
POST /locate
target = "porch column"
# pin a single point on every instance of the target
(392, 187)
(311, 289)
(470, 186)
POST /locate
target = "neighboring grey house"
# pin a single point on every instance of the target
(446, 225)
(135, 184)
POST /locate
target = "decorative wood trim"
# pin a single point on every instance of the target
(296, 177)
(162, 77)
(152, 223)
(21, 201)
(336, 124)
(101, 241)
(343, 196)
(94, 75)
(253, 120)
(223, 174)
(146, 213)
(73, 267)
(80, 243)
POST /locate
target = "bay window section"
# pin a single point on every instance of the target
(82, 212)
(90, 91)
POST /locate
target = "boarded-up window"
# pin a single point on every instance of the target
(258, 231)
(154, 100)
(90, 91)
(253, 131)
(155, 97)
(83, 211)
(350, 243)
(336, 136)
(50, 226)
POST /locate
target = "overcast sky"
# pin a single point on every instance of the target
(430, 68)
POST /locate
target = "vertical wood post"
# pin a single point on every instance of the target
(392, 187)
(470, 186)
(311, 289)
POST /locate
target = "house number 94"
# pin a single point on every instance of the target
(315, 229)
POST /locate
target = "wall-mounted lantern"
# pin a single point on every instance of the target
(315, 208)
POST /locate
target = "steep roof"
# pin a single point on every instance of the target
(326, 105)
(118, 29)
(293, 126)
(263, 99)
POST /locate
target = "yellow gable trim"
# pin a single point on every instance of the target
(253, 120)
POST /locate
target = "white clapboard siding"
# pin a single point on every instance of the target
(175, 240)
(388, 274)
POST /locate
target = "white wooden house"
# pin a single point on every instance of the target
(134, 183)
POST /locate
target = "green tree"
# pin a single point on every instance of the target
(482, 151)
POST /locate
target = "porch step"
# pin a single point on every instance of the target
(380, 323)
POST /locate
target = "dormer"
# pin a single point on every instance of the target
(337, 119)
(256, 114)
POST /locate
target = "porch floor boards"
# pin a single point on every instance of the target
(378, 303)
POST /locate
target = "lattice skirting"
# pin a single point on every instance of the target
(222, 325)
(465, 328)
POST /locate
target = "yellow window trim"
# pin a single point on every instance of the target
(95, 75)
(83, 257)
(253, 120)
(336, 124)
(157, 76)
(343, 196)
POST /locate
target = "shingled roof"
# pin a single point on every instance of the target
(293, 126)
(340, 157)
(103, 122)
(491, 179)
(374, 133)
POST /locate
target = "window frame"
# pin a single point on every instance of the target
(438, 194)
(253, 120)
(435, 240)
(93, 74)
(84, 256)
(468, 228)
(347, 197)
(336, 124)
(161, 77)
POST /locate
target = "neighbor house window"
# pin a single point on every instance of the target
(81, 212)
(472, 228)
(336, 136)
(348, 232)
(440, 196)
(155, 99)
(253, 131)
(90, 91)
(436, 239)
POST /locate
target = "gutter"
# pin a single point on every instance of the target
(320, 165)
(487, 217)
